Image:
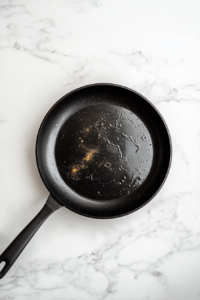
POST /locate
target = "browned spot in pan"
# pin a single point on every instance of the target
(76, 169)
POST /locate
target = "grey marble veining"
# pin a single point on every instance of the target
(48, 48)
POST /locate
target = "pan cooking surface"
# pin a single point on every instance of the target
(104, 152)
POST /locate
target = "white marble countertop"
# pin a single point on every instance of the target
(48, 48)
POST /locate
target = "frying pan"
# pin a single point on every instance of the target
(103, 151)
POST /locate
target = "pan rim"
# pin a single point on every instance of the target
(159, 114)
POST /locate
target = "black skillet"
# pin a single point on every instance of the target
(103, 151)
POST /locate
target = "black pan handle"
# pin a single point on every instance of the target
(16, 247)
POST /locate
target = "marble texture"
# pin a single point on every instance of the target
(48, 48)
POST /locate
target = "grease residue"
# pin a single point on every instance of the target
(75, 169)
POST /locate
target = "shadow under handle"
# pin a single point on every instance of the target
(16, 247)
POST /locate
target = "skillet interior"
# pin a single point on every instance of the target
(103, 151)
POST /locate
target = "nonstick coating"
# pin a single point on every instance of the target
(103, 151)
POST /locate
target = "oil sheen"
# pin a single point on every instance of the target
(104, 152)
